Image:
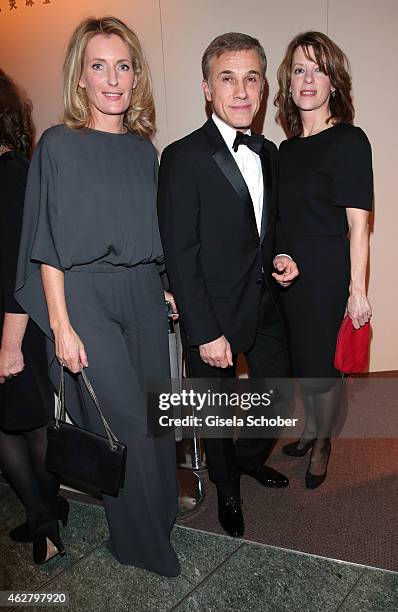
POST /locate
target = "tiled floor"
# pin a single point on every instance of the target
(218, 573)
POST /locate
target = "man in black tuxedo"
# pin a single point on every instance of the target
(217, 206)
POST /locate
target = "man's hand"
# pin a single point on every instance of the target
(287, 270)
(11, 363)
(217, 353)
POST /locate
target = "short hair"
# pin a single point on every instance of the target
(140, 115)
(232, 41)
(16, 125)
(333, 61)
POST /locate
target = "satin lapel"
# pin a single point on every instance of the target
(267, 198)
(229, 168)
(226, 163)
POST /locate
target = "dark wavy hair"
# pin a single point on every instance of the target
(16, 125)
(333, 62)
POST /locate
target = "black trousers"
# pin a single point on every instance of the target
(268, 358)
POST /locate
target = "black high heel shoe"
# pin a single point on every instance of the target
(22, 533)
(293, 451)
(47, 532)
(62, 510)
(312, 481)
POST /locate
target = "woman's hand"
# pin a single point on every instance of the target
(70, 349)
(11, 363)
(358, 306)
(359, 309)
(169, 297)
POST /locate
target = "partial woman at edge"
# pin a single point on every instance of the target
(26, 396)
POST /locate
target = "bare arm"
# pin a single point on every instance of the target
(68, 346)
(358, 306)
(11, 357)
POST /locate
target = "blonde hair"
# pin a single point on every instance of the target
(140, 115)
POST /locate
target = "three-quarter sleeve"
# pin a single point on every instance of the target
(13, 181)
(41, 199)
(353, 173)
(160, 260)
(39, 235)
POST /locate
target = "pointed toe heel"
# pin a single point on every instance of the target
(313, 481)
(21, 533)
(47, 533)
(293, 451)
(62, 510)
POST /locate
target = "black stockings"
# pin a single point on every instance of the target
(22, 462)
(322, 413)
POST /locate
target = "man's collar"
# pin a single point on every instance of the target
(227, 132)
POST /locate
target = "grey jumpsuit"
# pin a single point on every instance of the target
(90, 211)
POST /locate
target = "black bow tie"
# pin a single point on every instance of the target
(254, 142)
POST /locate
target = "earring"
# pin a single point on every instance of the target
(333, 93)
(290, 94)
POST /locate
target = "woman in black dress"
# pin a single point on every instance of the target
(326, 191)
(89, 274)
(26, 397)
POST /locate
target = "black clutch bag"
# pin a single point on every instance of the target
(87, 457)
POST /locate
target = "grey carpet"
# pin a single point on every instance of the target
(352, 516)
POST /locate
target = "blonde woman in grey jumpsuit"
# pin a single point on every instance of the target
(88, 273)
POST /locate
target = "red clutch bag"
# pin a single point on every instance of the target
(352, 348)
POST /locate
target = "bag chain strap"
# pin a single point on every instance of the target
(60, 408)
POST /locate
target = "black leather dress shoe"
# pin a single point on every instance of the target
(268, 477)
(230, 515)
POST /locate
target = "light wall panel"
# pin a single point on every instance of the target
(368, 33)
(189, 26)
(33, 41)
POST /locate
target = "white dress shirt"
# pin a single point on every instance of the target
(249, 164)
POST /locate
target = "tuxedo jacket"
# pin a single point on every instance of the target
(213, 252)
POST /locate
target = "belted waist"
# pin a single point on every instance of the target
(105, 267)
